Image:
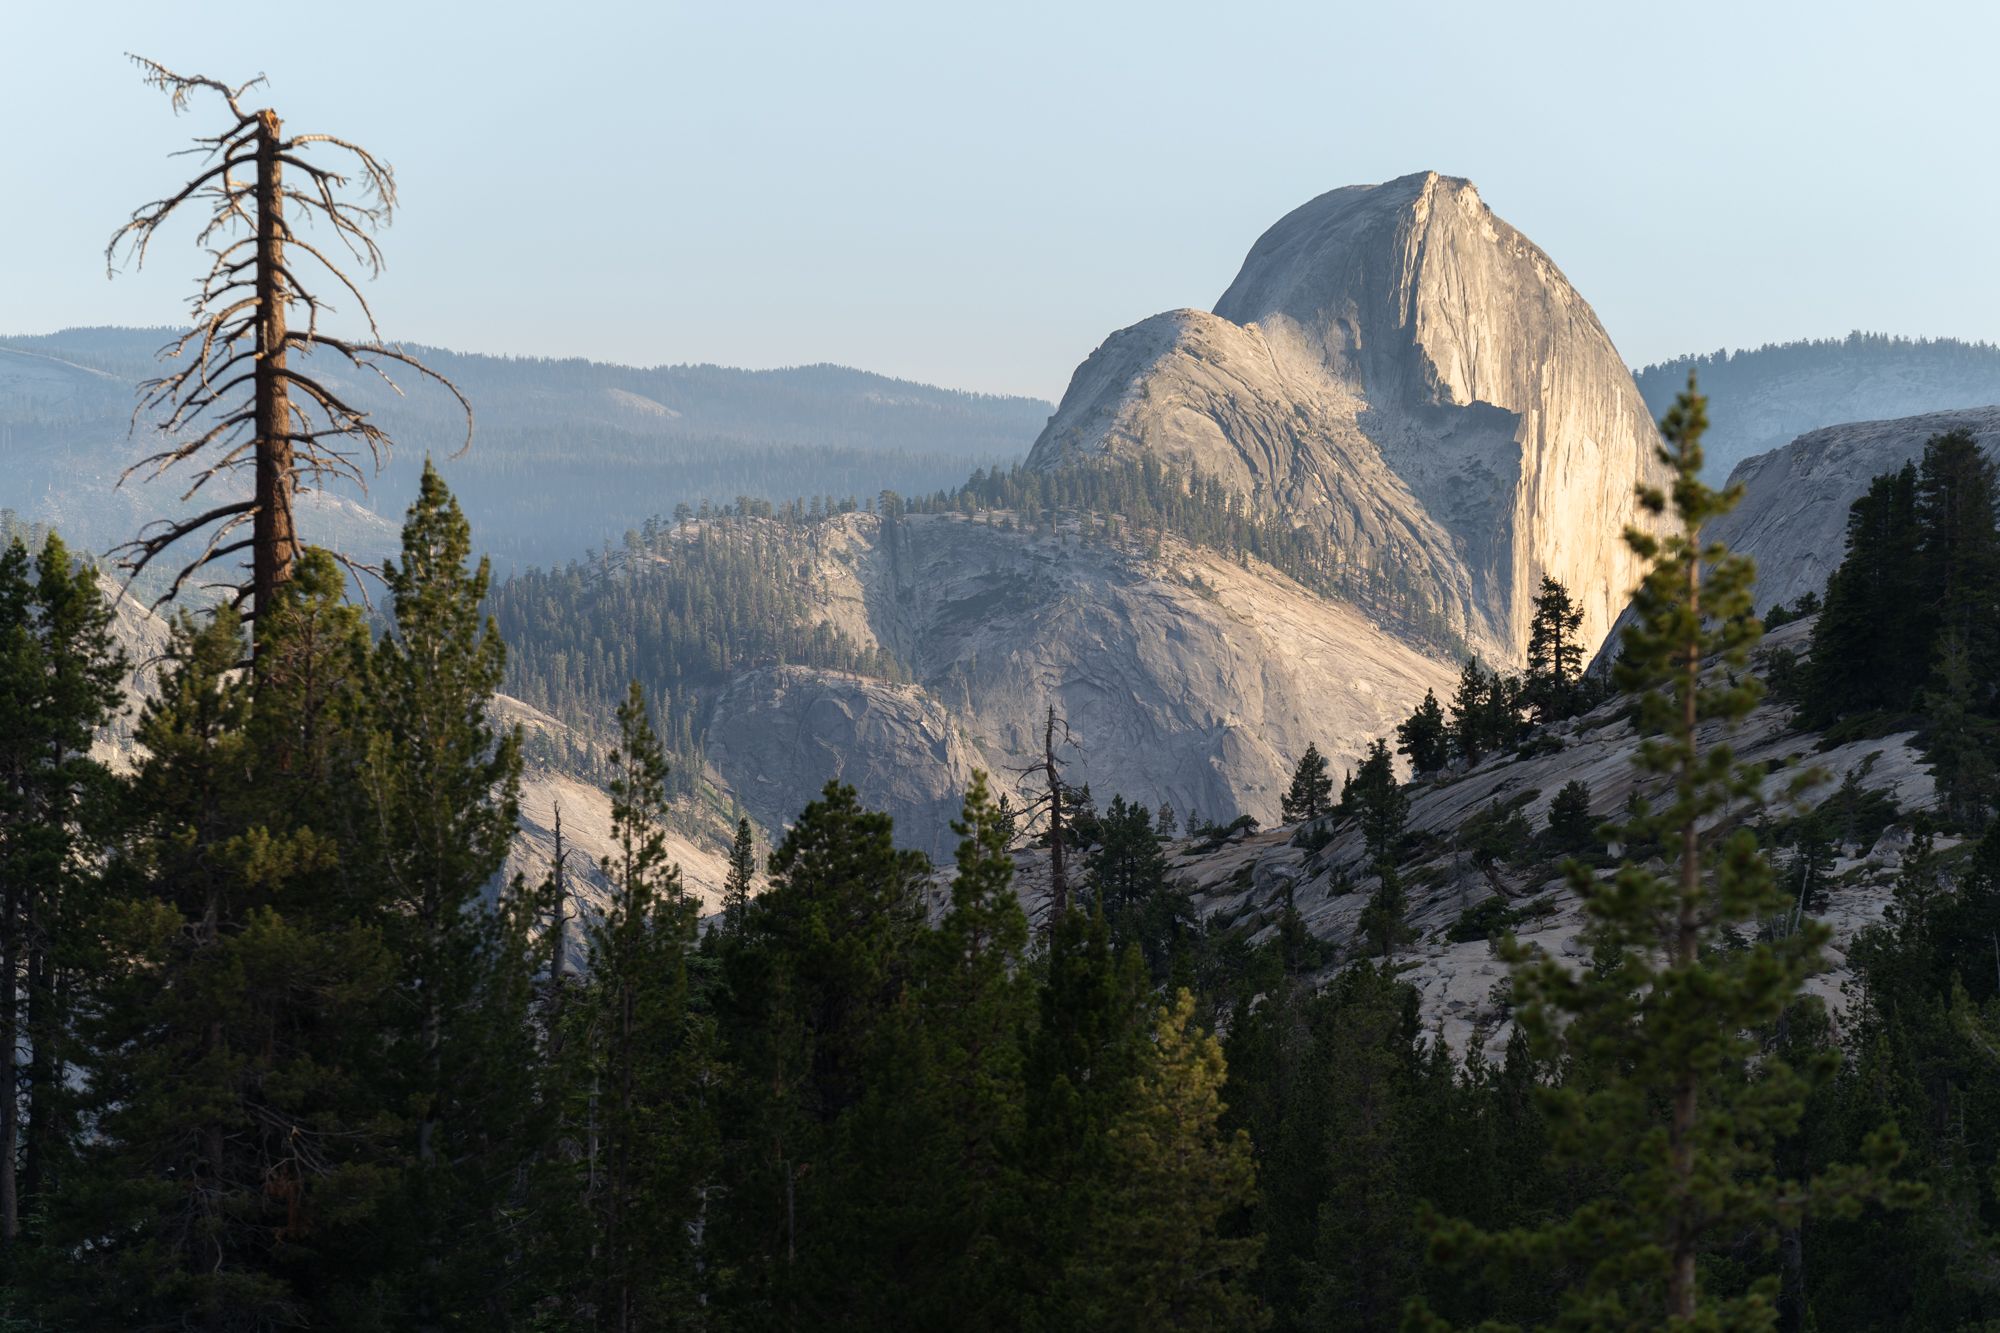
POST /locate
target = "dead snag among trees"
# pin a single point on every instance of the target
(247, 393)
(1052, 800)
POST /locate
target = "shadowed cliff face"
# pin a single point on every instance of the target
(1793, 518)
(1397, 364)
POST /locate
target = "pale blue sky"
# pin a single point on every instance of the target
(976, 195)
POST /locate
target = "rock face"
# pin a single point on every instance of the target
(1793, 518)
(1396, 365)
(1187, 679)
(780, 734)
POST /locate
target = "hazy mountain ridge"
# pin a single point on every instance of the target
(567, 455)
(1763, 398)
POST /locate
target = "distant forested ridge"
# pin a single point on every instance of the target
(1765, 397)
(568, 454)
(678, 609)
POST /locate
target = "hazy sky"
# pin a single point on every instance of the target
(975, 195)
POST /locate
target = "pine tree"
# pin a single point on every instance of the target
(442, 790)
(1962, 743)
(21, 673)
(241, 1161)
(1127, 866)
(1870, 648)
(1159, 1257)
(1370, 1075)
(1083, 1057)
(1381, 925)
(742, 874)
(1425, 737)
(930, 1193)
(1807, 875)
(1666, 1016)
(1571, 827)
(1506, 696)
(654, 1140)
(1958, 557)
(1471, 707)
(59, 673)
(1311, 792)
(1379, 802)
(826, 952)
(1555, 653)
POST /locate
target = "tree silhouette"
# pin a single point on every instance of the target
(240, 397)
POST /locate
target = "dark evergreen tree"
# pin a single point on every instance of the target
(1471, 707)
(931, 1192)
(1382, 926)
(742, 875)
(1963, 743)
(1127, 866)
(1869, 645)
(1379, 802)
(241, 1157)
(1571, 826)
(1917, 1061)
(1158, 1256)
(441, 789)
(1665, 1017)
(1311, 793)
(1425, 737)
(1958, 556)
(59, 674)
(645, 1107)
(826, 952)
(1082, 1056)
(1555, 653)
(1808, 876)
(1372, 1074)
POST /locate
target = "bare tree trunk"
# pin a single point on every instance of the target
(556, 941)
(35, 1096)
(273, 541)
(10, 1037)
(1681, 1288)
(1058, 882)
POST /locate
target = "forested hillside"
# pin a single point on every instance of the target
(678, 610)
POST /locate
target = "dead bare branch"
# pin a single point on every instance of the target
(237, 402)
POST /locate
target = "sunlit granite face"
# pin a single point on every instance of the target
(1397, 365)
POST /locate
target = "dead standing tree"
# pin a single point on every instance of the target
(1053, 800)
(240, 398)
